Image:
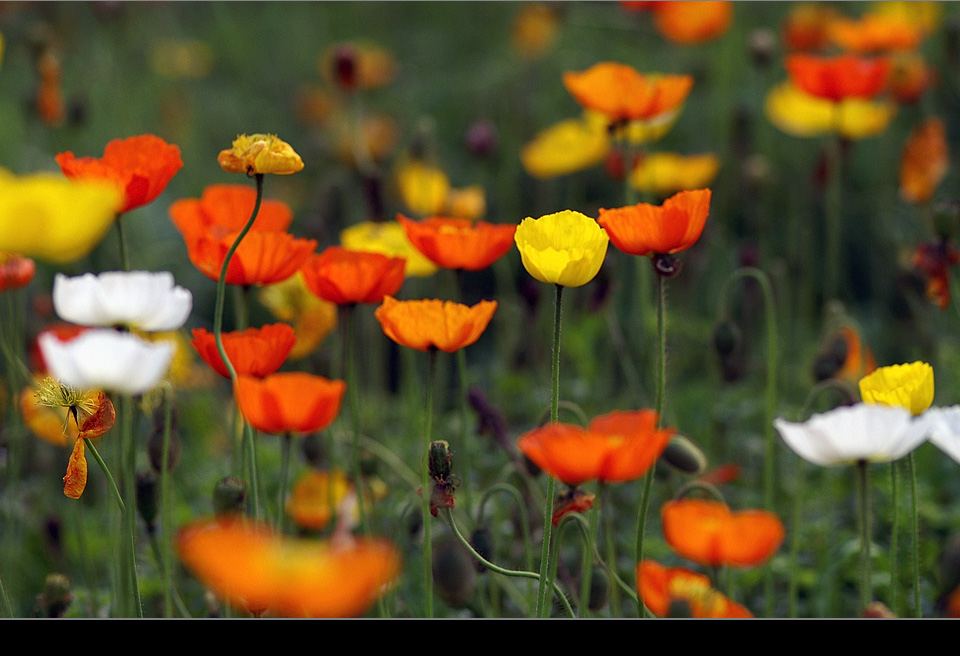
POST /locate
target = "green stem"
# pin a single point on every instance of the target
(795, 543)
(425, 483)
(610, 541)
(915, 529)
(129, 468)
(894, 532)
(158, 554)
(121, 235)
(502, 570)
(351, 376)
(770, 403)
(464, 449)
(7, 609)
(166, 504)
(286, 446)
(586, 571)
(542, 605)
(521, 508)
(106, 472)
(866, 593)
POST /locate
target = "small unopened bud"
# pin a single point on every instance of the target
(482, 541)
(147, 498)
(599, 589)
(345, 67)
(482, 139)
(684, 455)
(726, 337)
(454, 575)
(56, 596)
(946, 219)
(229, 496)
(666, 265)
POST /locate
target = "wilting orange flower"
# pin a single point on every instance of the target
(875, 33)
(935, 260)
(841, 77)
(262, 258)
(616, 447)
(624, 94)
(140, 166)
(459, 243)
(660, 586)
(256, 569)
(807, 26)
(226, 208)
(16, 271)
(289, 402)
(925, 161)
(433, 324)
(256, 352)
(347, 277)
(316, 496)
(709, 533)
(645, 229)
(46, 422)
(258, 154)
(689, 23)
(911, 77)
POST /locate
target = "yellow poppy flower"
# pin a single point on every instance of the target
(566, 147)
(906, 385)
(260, 153)
(803, 115)
(51, 218)
(566, 248)
(665, 174)
(312, 318)
(387, 238)
(423, 188)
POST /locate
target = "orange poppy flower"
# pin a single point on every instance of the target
(262, 258)
(859, 361)
(616, 447)
(316, 496)
(875, 33)
(16, 271)
(254, 568)
(226, 208)
(841, 77)
(645, 229)
(346, 277)
(433, 324)
(935, 259)
(459, 243)
(807, 26)
(256, 352)
(910, 78)
(141, 166)
(660, 586)
(690, 23)
(289, 402)
(925, 161)
(624, 94)
(709, 533)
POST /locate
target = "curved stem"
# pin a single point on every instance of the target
(551, 483)
(915, 529)
(425, 482)
(795, 543)
(464, 440)
(521, 508)
(106, 472)
(699, 485)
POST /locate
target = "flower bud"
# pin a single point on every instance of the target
(345, 66)
(726, 337)
(666, 265)
(229, 496)
(441, 460)
(684, 455)
(55, 598)
(147, 498)
(482, 139)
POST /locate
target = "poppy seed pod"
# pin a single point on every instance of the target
(55, 598)
(684, 455)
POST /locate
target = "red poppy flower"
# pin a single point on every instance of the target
(645, 229)
(262, 258)
(141, 166)
(459, 243)
(289, 402)
(226, 208)
(616, 447)
(709, 533)
(256, 569)
(661, 586)
(345, 277)
(935, 259)
(16, 271)
(433, 324)
(839, 78)
(624, 94)
(256, 352)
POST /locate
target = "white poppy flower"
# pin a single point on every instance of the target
(849, 434)
(134, 299)
(943, 427)
(107, 359)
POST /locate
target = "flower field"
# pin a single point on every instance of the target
(479, 310)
